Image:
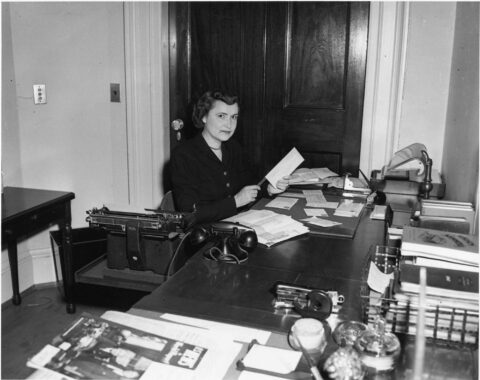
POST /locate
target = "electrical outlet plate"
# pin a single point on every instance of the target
(39, 94)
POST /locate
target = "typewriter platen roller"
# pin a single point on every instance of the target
(135, 240)
(157, 222)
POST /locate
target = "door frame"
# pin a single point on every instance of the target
(386, 55)
(147, 101)
(147, 44)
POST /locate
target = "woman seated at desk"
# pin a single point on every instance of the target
(210, 174)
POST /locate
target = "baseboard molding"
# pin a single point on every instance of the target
(30, 290)
(35, 267)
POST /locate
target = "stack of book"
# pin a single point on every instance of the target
(458, 214)
(452, 290)
(440, 249)
(451, 304)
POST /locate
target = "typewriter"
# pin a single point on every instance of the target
(156, 222)
(139, 241)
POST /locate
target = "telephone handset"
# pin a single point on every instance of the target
(231, 241)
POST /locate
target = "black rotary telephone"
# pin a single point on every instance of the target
(231, 241)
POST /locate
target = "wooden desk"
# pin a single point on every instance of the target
(242, 294)
(29, 211)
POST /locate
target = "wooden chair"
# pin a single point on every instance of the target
(167, 203)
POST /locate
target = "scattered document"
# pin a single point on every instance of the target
(320, 222)
(328, 205)
(323, 173)
(272, 359)
(271, 228)
(303, 175)
(315, 212)
(349, 208)
(235, 332)
(315, 198)
(307, 176)
(377, 280)
(285, 167)
(285, 203)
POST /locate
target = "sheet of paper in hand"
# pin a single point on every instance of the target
(285, 167)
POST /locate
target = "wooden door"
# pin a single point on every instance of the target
(298, 68)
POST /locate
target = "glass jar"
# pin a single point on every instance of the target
(311, 334)
(379, 350)
(344, 364)
(347, 333)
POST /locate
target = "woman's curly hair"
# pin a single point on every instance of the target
(205, 104)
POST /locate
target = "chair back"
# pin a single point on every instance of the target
(168, 203)
(183, 250)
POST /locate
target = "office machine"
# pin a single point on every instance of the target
(409, 172)
(307, 301)
(139, 241)
(231, 241)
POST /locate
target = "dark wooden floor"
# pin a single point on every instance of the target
(40, 317)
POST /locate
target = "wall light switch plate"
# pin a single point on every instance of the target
(39, 94)
(115, 92)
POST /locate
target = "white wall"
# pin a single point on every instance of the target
(77, 141)
(427, 76)
(460, 163)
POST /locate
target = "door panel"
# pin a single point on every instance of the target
(298, 68)
(317, 100)
(315, 49)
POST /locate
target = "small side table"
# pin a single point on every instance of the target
(26, 212)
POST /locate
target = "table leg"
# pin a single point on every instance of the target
(13, 259)
(68, 276)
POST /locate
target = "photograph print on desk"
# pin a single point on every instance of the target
(98, 348)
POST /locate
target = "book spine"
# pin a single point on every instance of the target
(467, 214)
(441, 253)
(434, 263)
(446, 203)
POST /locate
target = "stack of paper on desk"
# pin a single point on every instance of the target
(271, 228)
(349, 208)
(314, 175)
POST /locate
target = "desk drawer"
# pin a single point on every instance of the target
(35, 221)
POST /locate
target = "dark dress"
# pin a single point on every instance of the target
(205, 185)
